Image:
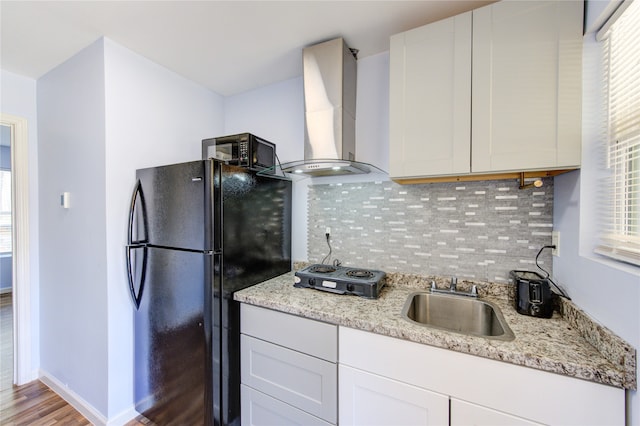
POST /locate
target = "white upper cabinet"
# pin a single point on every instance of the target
(430, 99)
(496, 90)
(526, 86)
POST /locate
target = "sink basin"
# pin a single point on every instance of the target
(459, 314)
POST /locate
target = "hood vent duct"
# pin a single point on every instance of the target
(329, 74)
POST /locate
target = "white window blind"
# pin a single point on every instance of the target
(620, 237)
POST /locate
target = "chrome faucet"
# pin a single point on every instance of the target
(453, 289)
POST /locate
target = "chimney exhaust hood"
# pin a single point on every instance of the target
(329, 74)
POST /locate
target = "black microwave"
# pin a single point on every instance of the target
(244, 150)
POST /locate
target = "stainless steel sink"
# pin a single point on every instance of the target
(459, 314)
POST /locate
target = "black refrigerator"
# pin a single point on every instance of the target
(198, 232)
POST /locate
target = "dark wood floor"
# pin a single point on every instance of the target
(33, 403)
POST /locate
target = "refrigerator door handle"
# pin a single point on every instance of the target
(136, 296)
(137, 200)
(134, 244)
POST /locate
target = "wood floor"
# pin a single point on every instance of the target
(33, 403)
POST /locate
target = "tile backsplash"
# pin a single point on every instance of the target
(475, 230)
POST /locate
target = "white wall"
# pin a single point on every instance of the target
(18, 97)
(153, 117)
(274, 112)
(73, 284)
(372, 111)
(608, 291)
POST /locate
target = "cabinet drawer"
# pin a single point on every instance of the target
(301, 380)
(301, 334)
(259, 409)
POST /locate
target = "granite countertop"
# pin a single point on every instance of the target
(569, 343)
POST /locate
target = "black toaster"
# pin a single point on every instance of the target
(533, 294)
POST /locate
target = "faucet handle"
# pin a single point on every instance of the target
(433, 285)
(474, 290)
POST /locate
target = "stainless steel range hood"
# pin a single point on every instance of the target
(329, 74)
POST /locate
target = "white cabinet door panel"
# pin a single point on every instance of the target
(526, 90)
(430, 99)
(259, 409)
(372, 400)
(303, 381)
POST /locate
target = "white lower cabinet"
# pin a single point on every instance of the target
(289, 369)
(292, 373)
(369, 399)
(382, 377)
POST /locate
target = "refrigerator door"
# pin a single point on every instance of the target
(256, 224)
(171, 339)
(255, 217)
(175, 207)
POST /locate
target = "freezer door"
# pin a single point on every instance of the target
(176, 206)
(171, 339)
(256, 224)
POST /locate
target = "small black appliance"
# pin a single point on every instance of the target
(533, 294)
(365, 283)
(244, 150)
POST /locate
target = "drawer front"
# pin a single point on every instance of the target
(303, 381)
(301, 334)
(259, 409)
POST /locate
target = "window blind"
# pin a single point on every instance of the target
(620, 236)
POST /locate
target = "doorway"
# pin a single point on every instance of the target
(23, 370)
(6, 261)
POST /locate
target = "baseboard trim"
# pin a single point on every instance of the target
(75, 400)
(83, 407)
(124, 417)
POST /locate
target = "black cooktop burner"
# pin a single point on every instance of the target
(360, 273)
(342, 280)
(322, 269)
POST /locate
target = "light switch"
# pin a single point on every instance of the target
(64, 200)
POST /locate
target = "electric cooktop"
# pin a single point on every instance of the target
(342, 280)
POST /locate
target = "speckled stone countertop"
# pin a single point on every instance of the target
(569, 343)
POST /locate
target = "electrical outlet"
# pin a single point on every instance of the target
(555, 241)
(328, 231)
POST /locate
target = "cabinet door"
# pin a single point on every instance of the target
(369, 399)
(526, 87)
(464, 413)
(430, 99)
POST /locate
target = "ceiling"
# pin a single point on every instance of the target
(227, 46)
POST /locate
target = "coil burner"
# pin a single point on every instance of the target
(342, 280)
